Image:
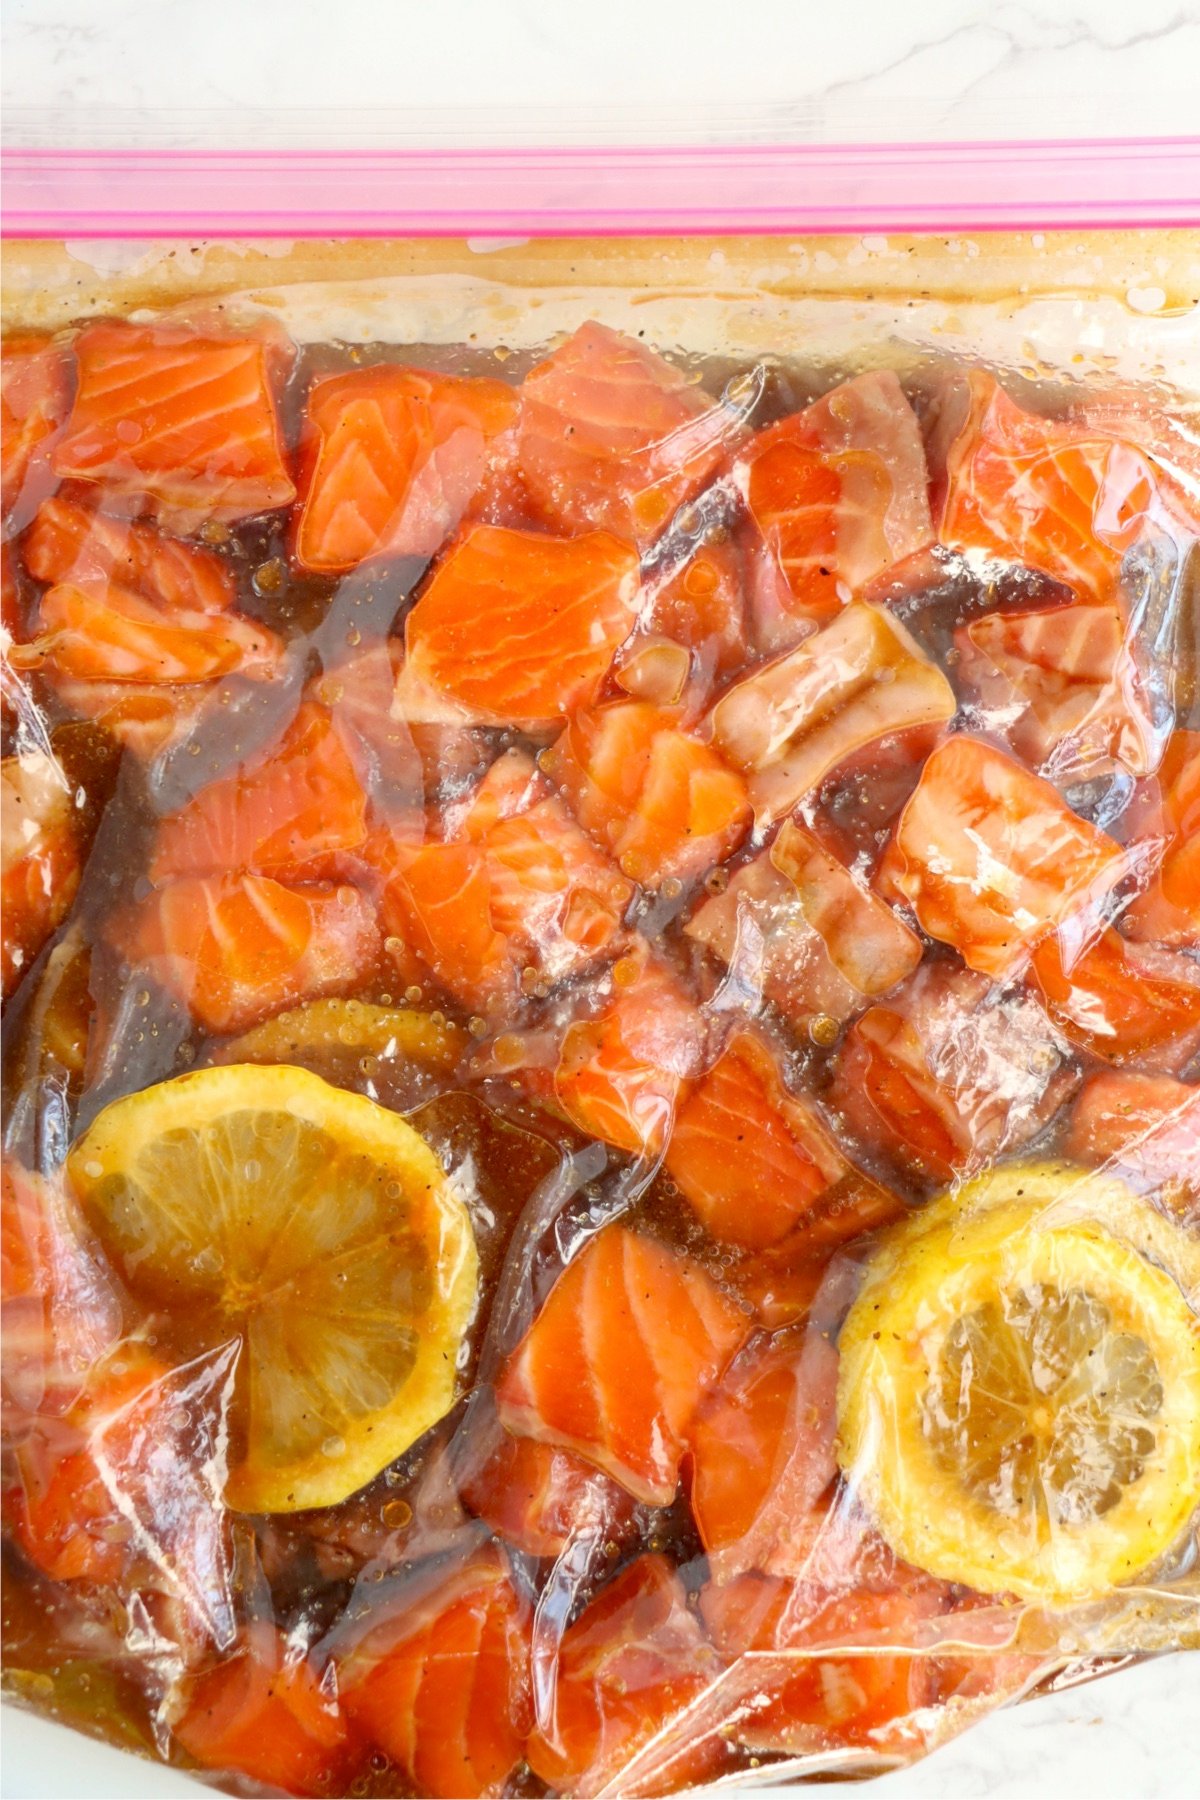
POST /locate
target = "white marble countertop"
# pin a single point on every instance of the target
(641, 70)
(636, 68)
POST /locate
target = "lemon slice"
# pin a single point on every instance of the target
(335, 1027)
(262, 1203)
(392, 1054)
(1019, 1390)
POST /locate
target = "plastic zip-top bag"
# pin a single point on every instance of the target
(601, 955)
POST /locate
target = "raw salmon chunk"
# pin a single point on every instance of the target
(516, 628)
(66, 1512)
(1149, 1124)
(617, 1361)
(392, 459)
(73, 543)
(1066, 498)
(542, 1499)
(40, 857)
(991, 859)
(403, 762)
(93, 629)
(130, 619)
(697, 603)
(788, 1281)
(441, 1681)
(824, 1671)
(10, 604)
(516, 888)
(1169, 911)
(553, 901)
(235, 948)
(795, 926)
(611, 435)
(185, 418)
(663, 804)
(122, 1490)
(438, 899)
(35, 398)
(143, 716)
(629, 1669)
(1063, 687)
(1122, 1001)
(950, 1071)
(621, 1075)
(788, 724)
(762, 1453)
(265, 1713)
(295, 811)
(60, 1307)
(838, 493)
(750, 1156)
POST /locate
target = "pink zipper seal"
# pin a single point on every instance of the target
(601, 190)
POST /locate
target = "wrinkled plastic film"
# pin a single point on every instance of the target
(718, 760)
